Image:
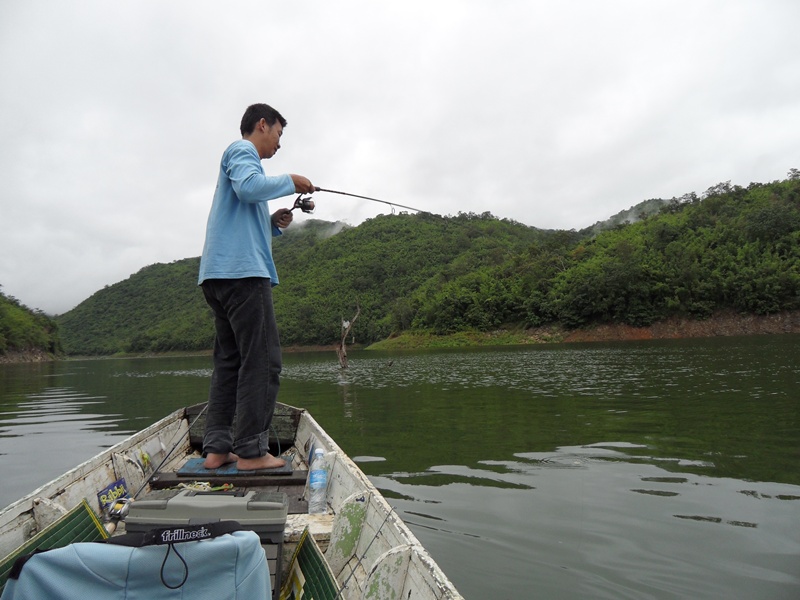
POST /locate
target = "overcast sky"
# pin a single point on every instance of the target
(114, 115)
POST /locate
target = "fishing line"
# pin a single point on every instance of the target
(174, 447)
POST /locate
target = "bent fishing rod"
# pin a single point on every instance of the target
(307, 204)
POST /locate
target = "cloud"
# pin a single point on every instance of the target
(557, 115)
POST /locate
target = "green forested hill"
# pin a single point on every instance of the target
(379, 266)
(23, 330)
(736, 248)
(733, 248)
(158, 309)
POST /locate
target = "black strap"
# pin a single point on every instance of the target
(16, 568)
(175, 534)
(170, 536)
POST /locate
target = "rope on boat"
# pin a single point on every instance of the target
(360, 560)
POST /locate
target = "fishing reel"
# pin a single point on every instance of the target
(304, 204)
(120, 509)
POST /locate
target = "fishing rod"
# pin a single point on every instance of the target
(120, 508)
(307, 204)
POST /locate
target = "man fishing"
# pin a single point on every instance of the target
(237, 274)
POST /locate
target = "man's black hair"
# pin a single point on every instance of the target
(255, 113)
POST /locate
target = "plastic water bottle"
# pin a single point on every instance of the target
(317, 484)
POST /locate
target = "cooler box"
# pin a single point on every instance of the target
(262, 512)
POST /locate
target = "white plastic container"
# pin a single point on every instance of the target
(318, 484)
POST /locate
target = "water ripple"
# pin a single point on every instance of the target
(546, 372)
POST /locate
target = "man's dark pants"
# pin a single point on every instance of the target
(247, 366)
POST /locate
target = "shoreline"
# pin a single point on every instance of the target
(724, 324)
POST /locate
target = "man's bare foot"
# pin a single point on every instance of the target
(215, 461)
(262, 462)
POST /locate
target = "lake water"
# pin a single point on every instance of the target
(666, 469)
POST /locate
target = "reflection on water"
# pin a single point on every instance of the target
(584, 522)
(169, 373)
(54, 416)
(639, 470)
(55, 420)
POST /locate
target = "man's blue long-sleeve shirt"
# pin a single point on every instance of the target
(239, 232)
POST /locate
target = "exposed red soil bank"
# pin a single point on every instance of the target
(726, 324)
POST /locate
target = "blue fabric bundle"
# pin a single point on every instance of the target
(226, 567)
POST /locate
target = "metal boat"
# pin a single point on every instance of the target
(359, 548)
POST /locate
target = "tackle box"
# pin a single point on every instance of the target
(262, 512)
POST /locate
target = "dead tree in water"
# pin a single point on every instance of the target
(341, 350)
